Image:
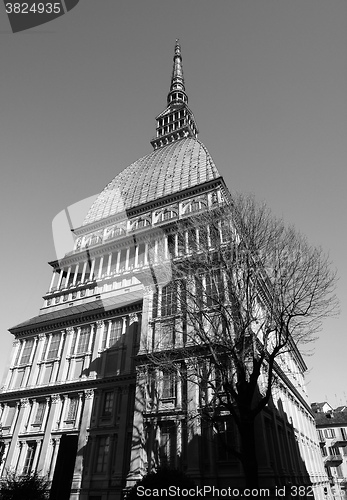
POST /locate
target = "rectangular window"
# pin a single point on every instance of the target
(171, 244)
(26, 352)
(214, 236)
(108, 404)
(167, 450)
(192, 240)
(29, 459)
(155, 304)
(40, 412)
(225, 229)
(181, 244)
(168, 385)
(343, 434)
(168, 300)
(321, 435)
(72, 410)
(10, 416)
(44, 348)
(329, 433)
(19, 378)
(83, 341)
(19, 348)
(54, 346)
(166, 335)
(214, 289)
(102, 451)
(141, 255)
(202, 232)
(115, 332)
(334, 450)
(225, 439)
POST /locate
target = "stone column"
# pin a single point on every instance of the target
(45, 415)
(127, 259)
(15, 430)
(95, 360)
(88, 355)
(100, 266)
(16, 346)
(118, 261)
(42, 465)
(194, 425)
(37, 453)
(2, 465)
(53, 451)
(79, 409)
(68, 277)
(138, 456)
(103, 358)
(108, 272)
(52, 281)
(92, 270)
(37, 357)
(132, 330)
(84, 272)
(21, 448)
(136, 263)
(82, 438)
(61, 274)
(64, 364)
(75, 274)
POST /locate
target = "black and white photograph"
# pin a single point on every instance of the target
(174, 279)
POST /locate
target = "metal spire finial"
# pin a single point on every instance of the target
(177, 78)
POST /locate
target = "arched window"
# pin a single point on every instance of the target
(140, 223)
(167, 214)
(195, 206)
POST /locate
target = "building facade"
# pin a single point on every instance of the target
(332, 435)
(78, 404)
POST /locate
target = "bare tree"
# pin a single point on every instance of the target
(246, 292)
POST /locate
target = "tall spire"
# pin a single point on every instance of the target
(176, 121)
(177, 79)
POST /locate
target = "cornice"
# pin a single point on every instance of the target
(66, 387)
(76, 319)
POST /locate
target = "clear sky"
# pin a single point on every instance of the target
(266, 81)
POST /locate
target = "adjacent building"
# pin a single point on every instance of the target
(75, 403)
(332, 434)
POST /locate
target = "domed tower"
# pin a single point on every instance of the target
(82, 402)
(70, 393)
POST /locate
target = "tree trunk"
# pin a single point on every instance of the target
(248, 453)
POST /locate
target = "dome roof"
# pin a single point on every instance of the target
(172, 168)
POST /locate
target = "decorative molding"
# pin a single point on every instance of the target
(55, 398)
(88, 393)
(24, 402)
(133, 318)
